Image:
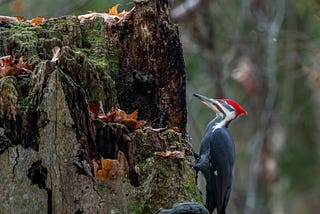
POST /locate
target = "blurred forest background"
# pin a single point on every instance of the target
(265, 54)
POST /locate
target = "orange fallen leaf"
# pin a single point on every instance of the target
(175, 128)
(120, 114)
(107, 163)
(6, 60)
(116, 115)
(102, 174)
(110, 117)
(37, 20)
(97, 110)
(106, 168)
(22, 65)
(7, 68)
(123, 13)
(133, 115)
(114, 10)
(133, 124)
(20, 18)
(171, 154)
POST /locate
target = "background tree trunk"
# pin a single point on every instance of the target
(48, 137)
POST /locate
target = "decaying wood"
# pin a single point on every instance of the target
(48, 138)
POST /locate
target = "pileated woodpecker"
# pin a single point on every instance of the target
(217, 152)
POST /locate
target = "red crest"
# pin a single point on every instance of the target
(236, 106)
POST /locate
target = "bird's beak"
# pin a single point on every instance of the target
(211, 103)
(204, 98)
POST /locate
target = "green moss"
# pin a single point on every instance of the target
(101, 58)
(68, 79)
(189, 186)
(161, 187)
(23, 103)
(61, 28)
(91, 73)
(106, 83)
(171, 133)
(87, 60)
(116, 126)
(175, 143)
(22, 37)
(136, 207)
(22, 86)
(143, 148)
(86, 56)
(161, 137)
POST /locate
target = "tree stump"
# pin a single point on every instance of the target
(48, 138)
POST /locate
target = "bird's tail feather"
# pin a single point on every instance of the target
(211, 197)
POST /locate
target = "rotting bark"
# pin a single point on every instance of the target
(155, 70)
(48, 137)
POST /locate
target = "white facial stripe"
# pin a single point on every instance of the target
(226, 115)
(226, 111)
(211, 106)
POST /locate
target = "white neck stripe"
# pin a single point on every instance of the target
(218, 126)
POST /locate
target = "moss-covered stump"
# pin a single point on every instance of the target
(48, 137)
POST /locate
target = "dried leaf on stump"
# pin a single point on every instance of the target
(9, 19)
(112, 17)
(21, 18)
(171, 154)
(133, 124)
(116, 115)
(133, 115)
(114, 10)
(96, 109)
(106, 168)
(7, 68)
(23, 67)
(37, 20)
(102, 174)
(6, 60)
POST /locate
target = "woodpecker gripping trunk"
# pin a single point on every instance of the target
(217, 153)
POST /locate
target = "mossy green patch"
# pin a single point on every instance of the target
(22, 86)
(19, 40)
(93, 35)
(160, 184)
(65, 28)
(190, 186)
(136, 206)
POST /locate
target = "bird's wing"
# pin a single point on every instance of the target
(221, 164)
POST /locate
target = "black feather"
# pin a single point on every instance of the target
(215, 161)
